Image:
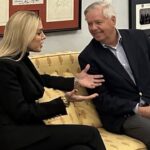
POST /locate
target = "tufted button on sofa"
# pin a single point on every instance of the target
(66, 64)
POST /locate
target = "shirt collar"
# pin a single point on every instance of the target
(119, 41)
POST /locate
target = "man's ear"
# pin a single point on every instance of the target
(113, 18)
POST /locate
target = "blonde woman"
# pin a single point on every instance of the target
(21, 125)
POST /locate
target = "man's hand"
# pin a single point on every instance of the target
(89, 81)
(144, 111)
(72, 96)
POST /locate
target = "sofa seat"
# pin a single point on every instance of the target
(66, 64)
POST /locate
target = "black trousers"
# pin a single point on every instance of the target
(69, 137)
(138, 127)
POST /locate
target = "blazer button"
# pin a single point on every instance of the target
(140, 93)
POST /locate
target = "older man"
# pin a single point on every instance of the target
(123, 57)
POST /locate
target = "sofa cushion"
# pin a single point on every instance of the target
(120, 142)
(86, 112)
(59, 63)
(66, 64)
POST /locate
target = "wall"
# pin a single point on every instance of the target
(77, 40)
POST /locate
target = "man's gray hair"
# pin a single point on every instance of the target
(108, 10)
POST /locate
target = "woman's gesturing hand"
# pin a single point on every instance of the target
(72, 96)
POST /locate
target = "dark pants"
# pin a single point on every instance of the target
(138, 127)
(69, 137)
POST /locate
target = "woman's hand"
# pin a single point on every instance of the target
(89, 81)
(73, 96)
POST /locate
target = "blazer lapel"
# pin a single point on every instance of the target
(110, 59)
(131, 54)
(32, 73)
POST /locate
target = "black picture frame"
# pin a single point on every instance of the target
(139, 15)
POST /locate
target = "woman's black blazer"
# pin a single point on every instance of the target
(20, 116)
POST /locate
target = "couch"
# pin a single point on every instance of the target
(66, 64)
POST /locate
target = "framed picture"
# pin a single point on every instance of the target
(139, 15)
(56, 15)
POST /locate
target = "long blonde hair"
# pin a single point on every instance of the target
(19, 32)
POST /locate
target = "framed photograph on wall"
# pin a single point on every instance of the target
(56, 15)
(139, 15)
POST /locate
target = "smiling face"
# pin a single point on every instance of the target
(102, 28)
(37, 43)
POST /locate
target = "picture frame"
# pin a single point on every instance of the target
(56, 15)
(139, 15)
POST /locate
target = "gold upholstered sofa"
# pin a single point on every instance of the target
(66, 64)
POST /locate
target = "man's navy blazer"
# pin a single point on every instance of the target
(119, 95)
